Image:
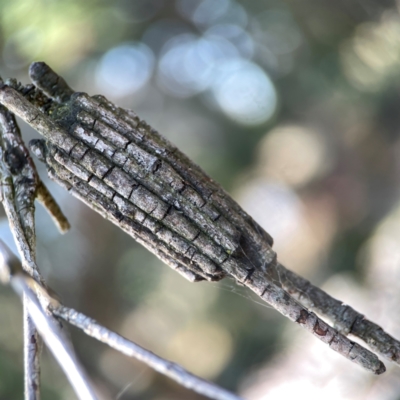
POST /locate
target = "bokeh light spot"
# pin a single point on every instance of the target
(189, 63)
(125, 69)
(22, 46)
(372, 56)
(294, 155)
(212, 350)
(274, 206)
(236, 35)
(245, 92)
(277, 30)
(209, 11)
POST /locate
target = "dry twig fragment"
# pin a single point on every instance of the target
(122, 168)
(28, 288)
(18, 186)
(42, 306)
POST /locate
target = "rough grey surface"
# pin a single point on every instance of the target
(122, 168)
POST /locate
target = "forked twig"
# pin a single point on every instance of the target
(131, 349)
(130, 174)
(18, 185)
(345, 319)
(39, 300)
(28, 290)
(18, 193)
(124, 169)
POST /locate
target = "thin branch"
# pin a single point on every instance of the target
(126, 171)
(48, 328)
(122, 168)
(46, 199)
(32, 351)
(19, 185)
(18, 177)
(131, 349)
(27, 286)
(290, 308)
(345, 319)
(11, 272)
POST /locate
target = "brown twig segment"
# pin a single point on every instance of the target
(46, 199)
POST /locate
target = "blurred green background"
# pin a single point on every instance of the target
(294, 108)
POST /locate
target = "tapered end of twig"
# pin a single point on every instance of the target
(377, 339)
(9, 263)
(3, 86)
(381, 370)
(48, 202)
(16, 103)
(49, 82)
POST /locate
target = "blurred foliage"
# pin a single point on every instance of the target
(292, 106)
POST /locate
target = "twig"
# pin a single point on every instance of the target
(51, 333)
(11, 272)
(289, 307)
(32, 350)
(18, 187)
(345, 318)
(124, 169)
(46, 199)
(22, 225)
(131, 349)
(18, 195)
(19, 184)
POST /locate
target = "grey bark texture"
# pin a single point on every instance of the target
(37, 302)
(125, 170)
(130, 349)
(18, 184)
(43, 308)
